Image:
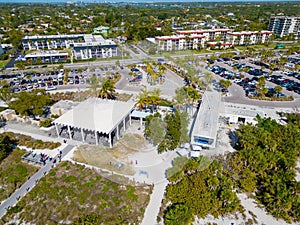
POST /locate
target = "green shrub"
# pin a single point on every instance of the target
(46, 123)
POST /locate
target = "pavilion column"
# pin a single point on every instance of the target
(129, 119)
(69, 130)
(96, 137)
(118, 133)
(141, 121)
(109, 139)
(57, 132)
(82, 135)
(124, 124)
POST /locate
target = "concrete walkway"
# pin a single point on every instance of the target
(152, 210)
(31, 182)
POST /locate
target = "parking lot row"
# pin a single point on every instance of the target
(250, 83)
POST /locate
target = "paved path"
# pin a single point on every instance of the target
(152, 210)
(30, 183)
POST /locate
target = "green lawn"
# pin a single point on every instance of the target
(13, 173)
(174, 53)
(3, 62)
(72, 193)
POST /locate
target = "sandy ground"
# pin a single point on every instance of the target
(121, 157)
(298, 171)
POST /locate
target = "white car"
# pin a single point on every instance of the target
(50, 88)
(29, 86)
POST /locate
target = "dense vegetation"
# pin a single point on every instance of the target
(264, 164)
(6, 146)
(30, 103)
(13, 173)
(200, 187)
(74, 194)
(137, 23)
(27, 141)
(169, 132)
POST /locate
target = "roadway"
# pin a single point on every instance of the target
(31, 182)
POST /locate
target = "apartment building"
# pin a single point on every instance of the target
(285, 25)
(209, 35)
(179, 42)
(248, 37)
(224, 38)
(84, 46)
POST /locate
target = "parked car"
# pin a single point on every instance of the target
(50, 88)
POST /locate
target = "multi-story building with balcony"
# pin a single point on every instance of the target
(179, 42)
(224, 38)
(285, 25)
(209, 35)
(84, 46)
(248, 37)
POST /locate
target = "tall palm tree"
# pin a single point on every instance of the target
(107, 90)
(142, 100)
(155, 98)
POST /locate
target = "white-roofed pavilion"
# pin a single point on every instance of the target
(95, 120)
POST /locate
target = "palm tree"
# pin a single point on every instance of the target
(142, 99)
(277, 89)
(155, 98)
(107, 90)
(208, 78)
(181, 98)
(94, 85)
(193, 95)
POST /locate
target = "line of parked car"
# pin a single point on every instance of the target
(48, 80)
(249, 84)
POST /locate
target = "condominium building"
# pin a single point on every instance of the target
(195, 39)
(179, 42)
(50, 56)
(248, 37)
(209, 35)
(284, 25)
(84, 46)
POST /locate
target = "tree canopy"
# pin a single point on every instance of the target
(107, 90)
(173, 128)
(265, 164)
(6, 146)
(30, 103)
(201, 188)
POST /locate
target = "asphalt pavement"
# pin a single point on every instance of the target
(31, 182)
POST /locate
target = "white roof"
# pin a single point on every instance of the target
(96, 115)
(243, 112)
(46, 54)
(207, 117)
(140, 114)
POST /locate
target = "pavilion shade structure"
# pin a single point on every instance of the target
(97, 115)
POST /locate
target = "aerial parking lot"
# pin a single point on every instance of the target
(257, 80)
(53, 79)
